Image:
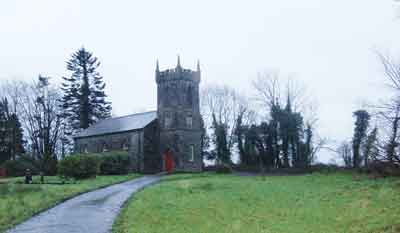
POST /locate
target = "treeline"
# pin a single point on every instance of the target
(375, 142)
(275, 128)
(39, 117)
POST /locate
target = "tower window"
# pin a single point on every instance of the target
(105, 148)
(191, 155)
(189, 120)
(168, 120)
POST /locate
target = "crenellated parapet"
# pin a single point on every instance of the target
(178, 73)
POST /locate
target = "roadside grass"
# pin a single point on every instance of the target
(19, 201)
(316, 203)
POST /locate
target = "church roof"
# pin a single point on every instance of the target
(119, 124)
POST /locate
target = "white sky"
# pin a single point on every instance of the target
(326, 44)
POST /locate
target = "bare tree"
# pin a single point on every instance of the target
(345, 152)
(37, 105)
(223, 105)
(273, 88)
(268, 88)
(391, 70)
(388, 113)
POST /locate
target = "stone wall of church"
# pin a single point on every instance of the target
(142, 145)
(185, 147)
(130, 141)
(152, 161)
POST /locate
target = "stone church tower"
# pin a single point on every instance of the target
(178, 114)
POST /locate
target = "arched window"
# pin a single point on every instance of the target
(168, 120)
(189, 120)
(191, 153)
(125, 145)
(189, 96)
(105, 148)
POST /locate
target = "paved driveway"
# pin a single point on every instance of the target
(92, 212)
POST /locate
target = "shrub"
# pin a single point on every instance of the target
(79, 166)
(18, 167)
(115, 163)
(324, 168)
(384, 168)
(49, 165)
(223, 169)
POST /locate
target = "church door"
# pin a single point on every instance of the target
(169, 161)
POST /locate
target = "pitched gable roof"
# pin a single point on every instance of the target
(119, 124)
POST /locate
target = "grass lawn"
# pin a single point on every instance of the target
(18, 202)
(281, 204)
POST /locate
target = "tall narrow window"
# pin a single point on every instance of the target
(191, 155)
(168, 120)
(125, 146)
(189, 120)
(105, 148)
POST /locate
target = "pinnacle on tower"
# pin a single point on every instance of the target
(179, 62)
(157, 66)
(198, 65)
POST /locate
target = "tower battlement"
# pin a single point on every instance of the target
(178, 73)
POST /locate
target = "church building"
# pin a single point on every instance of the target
(174, 131)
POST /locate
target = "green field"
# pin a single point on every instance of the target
(226, 203)
(19, 202)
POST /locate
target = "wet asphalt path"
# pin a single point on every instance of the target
(92, 212)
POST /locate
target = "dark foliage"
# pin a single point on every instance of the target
(384, 168)
(18, 167)
(221, 152)
(11, 133)
(223, 169)
(360, 132)
(282, 142)
(84, 99)
(79, 166)
(325, 168)
(115, 163)
(49, 165)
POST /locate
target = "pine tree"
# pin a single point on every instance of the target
(4, 153)
(16, 136)
(84, 101)
(11, 133)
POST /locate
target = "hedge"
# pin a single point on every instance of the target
(115, 163)
(19, 166)
(79, 166)
(82, 166)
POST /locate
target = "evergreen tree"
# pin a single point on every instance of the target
(11, 133)
(360, 131)
(84, 101)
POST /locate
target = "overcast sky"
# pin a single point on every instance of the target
(324, 43)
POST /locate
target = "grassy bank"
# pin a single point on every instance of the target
(226, 203)
(19, 202)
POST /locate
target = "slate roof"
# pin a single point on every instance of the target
(119, 124)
